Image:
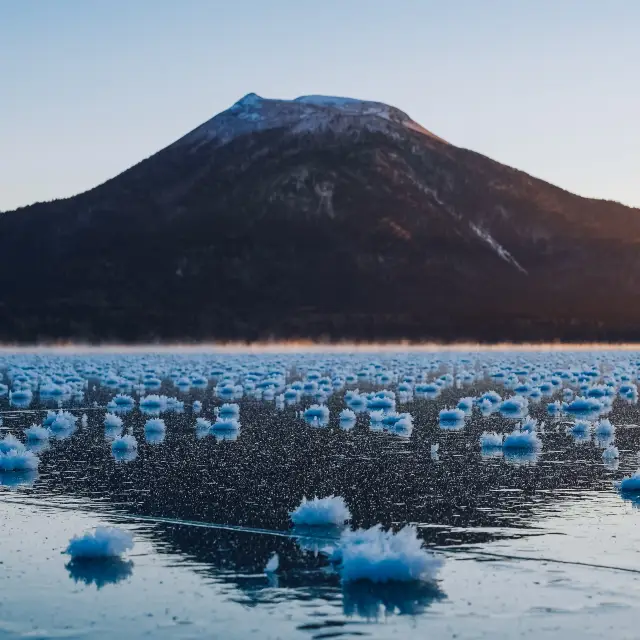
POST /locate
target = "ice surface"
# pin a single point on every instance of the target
(188, 495)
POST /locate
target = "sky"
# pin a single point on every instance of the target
(90, 87)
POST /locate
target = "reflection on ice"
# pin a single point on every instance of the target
(224, 434)
(20, 402)
(581, 437)
(316, 421)
(18, 478)
(603, 441)
(38, 447)
(202, 431)
(62, 434)
(125, 456)
(373, 601)
(112, 432)
(452, 425)
(121, 409)
(521, 456)
(317, 540)
(489, 453)
(99, 572)
(150, 411)
(155, 437)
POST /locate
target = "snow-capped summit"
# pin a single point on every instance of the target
(307, 113)
(251, 99)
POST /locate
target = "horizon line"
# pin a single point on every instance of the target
(303, 346)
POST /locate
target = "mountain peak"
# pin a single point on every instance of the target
(250, 100)
(303, 115)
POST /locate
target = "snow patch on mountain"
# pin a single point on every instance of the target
(433, 194)
(332, 101)
(497, 247)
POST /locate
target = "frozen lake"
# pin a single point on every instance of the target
(534, 542)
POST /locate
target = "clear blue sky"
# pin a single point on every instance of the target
(90, 87)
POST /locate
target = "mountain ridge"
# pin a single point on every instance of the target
(300, 98)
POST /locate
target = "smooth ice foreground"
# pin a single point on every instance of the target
(104, 542)
(206, 456)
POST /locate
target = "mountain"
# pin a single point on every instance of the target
(320, 218)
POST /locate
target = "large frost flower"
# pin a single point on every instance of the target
(104, 542)
(384, 556)
(321, 512)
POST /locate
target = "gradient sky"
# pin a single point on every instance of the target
(90, 87)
